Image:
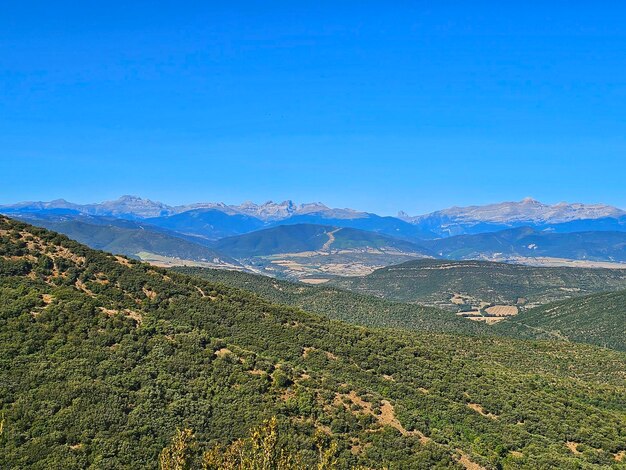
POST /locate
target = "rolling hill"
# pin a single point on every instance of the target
(526, 244)
(465, 285)
(340, 304)
(597, 319)
(102, 358)
(309, 237)
(132, 238)
(390, 226)
(316, 252)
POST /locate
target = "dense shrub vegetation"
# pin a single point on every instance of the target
(435, 282)
(597, 319)
(341, 304)
(102, 359)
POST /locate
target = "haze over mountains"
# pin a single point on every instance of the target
(348, 242)
(446, 222)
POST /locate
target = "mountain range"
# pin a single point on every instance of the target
(446, 222)
(325, 241)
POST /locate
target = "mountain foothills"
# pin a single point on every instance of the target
(525, 232)
(132, 238)
(596, 319)
(469, 285)
(104, 360)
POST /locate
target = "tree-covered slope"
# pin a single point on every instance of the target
(102, 358)
(210, 224)
(526, 242)
(308, 237)
(128, 237)
(341, 304)
(597, 319)
(449, 284)
(390, 226)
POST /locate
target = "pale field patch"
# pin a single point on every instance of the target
(502, 310)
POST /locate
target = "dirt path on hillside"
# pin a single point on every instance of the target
(331, 240)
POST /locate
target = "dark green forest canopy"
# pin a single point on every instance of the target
(596, 319)
(341, 304)
(436, 282)
(102, 358)
(599, 319)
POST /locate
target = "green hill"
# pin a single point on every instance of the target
(103, 358)
(340, 304)
(305, 251)
(526, 242)
(458, 285)
(130, 238)
(307, 237)
(597, 319)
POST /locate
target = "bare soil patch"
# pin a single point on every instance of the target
(479, 409)
(573, 447)
(468, 464)
(149, 293)
(223, 352)
(502, 310)
(314, 281)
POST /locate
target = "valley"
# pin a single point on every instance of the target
(462, 286)
(102, 352)
(316, 328)
(313, 236)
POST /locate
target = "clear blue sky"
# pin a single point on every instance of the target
(375, 105)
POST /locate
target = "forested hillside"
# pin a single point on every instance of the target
(341, 304)
(308, 237)
(597, 319)
(458, 284)
(103, 358)
(131, 238)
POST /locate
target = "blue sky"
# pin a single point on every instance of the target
(379, 106)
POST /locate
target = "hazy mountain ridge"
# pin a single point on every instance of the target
(525, 242)
(137, 207)
(562, 217)
(493, 217)
(513, 231)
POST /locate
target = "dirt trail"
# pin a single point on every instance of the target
(387, 416)
(331, 239)
(468, 464)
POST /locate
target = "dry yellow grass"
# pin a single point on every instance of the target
(314, 281)
(573, 447)
(479, 409)
(502, 310)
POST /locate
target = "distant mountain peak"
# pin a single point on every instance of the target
(530, 200)
(528, 211)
